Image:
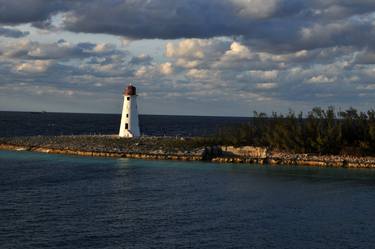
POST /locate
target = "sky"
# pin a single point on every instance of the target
(190, 57)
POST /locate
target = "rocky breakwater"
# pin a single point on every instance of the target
(262, 155)
(244, 154)
(170, 148)
(341, 161)
(161, 148)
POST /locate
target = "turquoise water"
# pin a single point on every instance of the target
(55, 201)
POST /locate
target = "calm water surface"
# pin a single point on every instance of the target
(31, 124)
(53, 201)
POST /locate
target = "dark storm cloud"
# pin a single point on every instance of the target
(170, 19)
(268, 24)
(288, 35)
(166, 19)
(12, 33)
(29, 11)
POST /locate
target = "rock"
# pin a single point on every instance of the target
(245, 151)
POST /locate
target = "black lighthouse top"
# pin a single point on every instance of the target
(130, 90)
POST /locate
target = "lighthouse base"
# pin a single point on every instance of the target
(128, 134)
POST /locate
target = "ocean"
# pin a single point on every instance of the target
(59, 201)
(38, 123)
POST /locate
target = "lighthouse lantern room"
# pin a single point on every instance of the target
(129, 120)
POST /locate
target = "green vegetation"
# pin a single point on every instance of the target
(320, 131)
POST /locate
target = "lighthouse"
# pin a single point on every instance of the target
(129, 120)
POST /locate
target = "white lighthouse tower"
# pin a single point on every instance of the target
(129, 120)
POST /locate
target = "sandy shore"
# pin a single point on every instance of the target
(170, 148)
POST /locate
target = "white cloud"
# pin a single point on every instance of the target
(37, 66)
(166, 68)
(181, 62)
(125, 41)
(264, 75)
(321, 79)
(107, 68)
(237, 51)
(266, 86)
(198, 73)
(103, 47)
(367, 87)
(142, 71)
(191, 48)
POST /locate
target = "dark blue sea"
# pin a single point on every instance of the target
(57, 201)
(39, 123)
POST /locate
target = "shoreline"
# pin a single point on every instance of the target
(168, 148)
(99, 154)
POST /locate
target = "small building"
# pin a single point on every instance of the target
(129, 119)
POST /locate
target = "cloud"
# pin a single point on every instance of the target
(256, 8)
(270, 52)
(188, 48)
(26, 49)
(12, 33)
(103, 47)
(320, 75)
(321, 79)
(283, 25)
(141, 72)
(63, 65)
(365, 57)
(266, 85)
(220, 69)
(37, 66)
(142, 59)
(269, 24)
(198, 73)
(29, 11)
(165, 19)
(166, 68)
(264, 75)
(237, 51)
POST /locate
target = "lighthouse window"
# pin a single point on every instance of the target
(126, 126)
(127, 115)
(128, 98)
